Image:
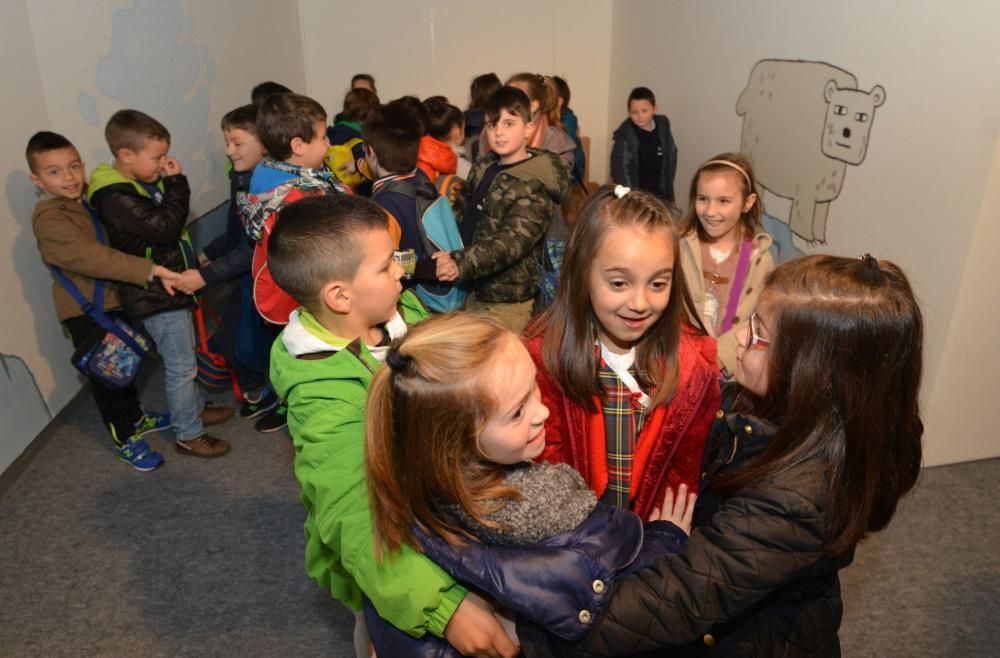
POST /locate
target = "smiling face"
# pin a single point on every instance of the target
(146, 164)
(752, 360)
(641, 112)
(59, 172)
(508, 137)
(243, 149)
(516, 431)
(630, 283)
(720, 203)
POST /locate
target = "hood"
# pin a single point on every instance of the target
(343, 131)
(105, 175)
(436, 157)
(548, 169)
(305, 335)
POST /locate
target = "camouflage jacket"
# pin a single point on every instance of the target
(503, 260)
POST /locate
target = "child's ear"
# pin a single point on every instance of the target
(336, 296)
(298, 145)
(36, 180)
(748, 204)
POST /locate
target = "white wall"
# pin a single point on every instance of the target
(429, 47)
(920, 198)
(69, 66)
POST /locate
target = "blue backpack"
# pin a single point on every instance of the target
(438, 232)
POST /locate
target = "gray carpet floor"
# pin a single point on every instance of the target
(204, 557)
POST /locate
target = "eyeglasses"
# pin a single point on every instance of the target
(756, 342)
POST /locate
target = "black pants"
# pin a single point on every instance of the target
(119, 407)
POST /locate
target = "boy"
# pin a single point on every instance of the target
(334, 255)
(364, 81)
(644, 155)
(292, 129)
(243, 340)
(67, 239)
(143, 202)
(505, 210)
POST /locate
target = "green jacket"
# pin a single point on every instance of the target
(503, 259)
(325, 380)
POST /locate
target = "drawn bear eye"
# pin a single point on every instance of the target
(839, 110)
(861, 117)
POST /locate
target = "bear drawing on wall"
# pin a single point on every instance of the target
(803, 123)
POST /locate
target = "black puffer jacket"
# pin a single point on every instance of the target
(137, 225)
(752, 580)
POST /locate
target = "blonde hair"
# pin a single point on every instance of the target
(427, 406)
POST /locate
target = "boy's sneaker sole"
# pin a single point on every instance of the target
(274, 421)
(137, 454)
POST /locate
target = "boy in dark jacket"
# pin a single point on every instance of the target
(644, 155)
(143, 202)
(67, 239)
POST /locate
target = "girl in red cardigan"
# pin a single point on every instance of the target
(631, 385)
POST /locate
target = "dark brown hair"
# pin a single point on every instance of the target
(265, 89)
(441, 117)
(844, 369)
(541, 88)
(511, 99)
(641, 94)
(571, 329)
(358, 102)
(318, 240)
(42, 142)
(129, 129)
(481, 89)
(562, 89)
(367, 77)
(748, 184)
(242, 118)
(426, 411)
(283, 117)
(393, 131)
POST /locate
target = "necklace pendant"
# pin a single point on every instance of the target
(715, 278)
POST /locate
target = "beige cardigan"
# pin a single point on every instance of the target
(761, 264)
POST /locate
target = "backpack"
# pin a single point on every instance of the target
(438, 232)
(273, 303)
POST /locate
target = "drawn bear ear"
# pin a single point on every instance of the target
(878, 95)
(831, 88)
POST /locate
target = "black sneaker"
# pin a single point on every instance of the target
(259, 403)
(273, 421)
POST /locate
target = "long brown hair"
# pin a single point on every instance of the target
(426, 410)
(743, 171)
(844, 369)
(570, 326)
(543, 89)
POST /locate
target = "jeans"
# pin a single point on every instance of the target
(173, 333)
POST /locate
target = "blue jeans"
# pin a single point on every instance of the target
(173, 333)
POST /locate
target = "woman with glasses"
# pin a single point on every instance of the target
(812, 450)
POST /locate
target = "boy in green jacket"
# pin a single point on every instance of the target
(334, 256)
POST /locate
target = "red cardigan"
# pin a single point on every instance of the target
(671, 441)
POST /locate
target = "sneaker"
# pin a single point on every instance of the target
(259, 403)
(216, 414)
(273, 421)
(137, 454)
(206, 446)
(150, 422)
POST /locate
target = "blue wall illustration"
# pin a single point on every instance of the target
(803, 123)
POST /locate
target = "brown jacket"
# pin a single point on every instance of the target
(66, 239)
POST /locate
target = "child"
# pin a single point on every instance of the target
(482, 87)
(443, 153)
(335, 256)
(265, 89)
(67, 239)
(242, 337)
(725, 254)
(143, 202)
(572, 125)
(813, 452)
(644, 155)
(632, 386)
(292, 128)
(364, 81)
(505, 211)
(453, 423)
(345, 138)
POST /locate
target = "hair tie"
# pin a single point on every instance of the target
(396, 361)
(735, 166)
(621, 190)
(870, 261)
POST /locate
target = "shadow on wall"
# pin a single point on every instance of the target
(22, 403)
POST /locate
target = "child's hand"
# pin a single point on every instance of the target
(679, 511)
(203, 260)
(190, 282)
(447, 268)
(168, 278)
(474, 631)
(171, 167)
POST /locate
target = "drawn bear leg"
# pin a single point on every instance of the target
(800, 219)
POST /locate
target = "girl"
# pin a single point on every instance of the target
(453, 422)
(445, 136)
(820, 443)
(725, 252)
(480, 90)
(632, 386)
